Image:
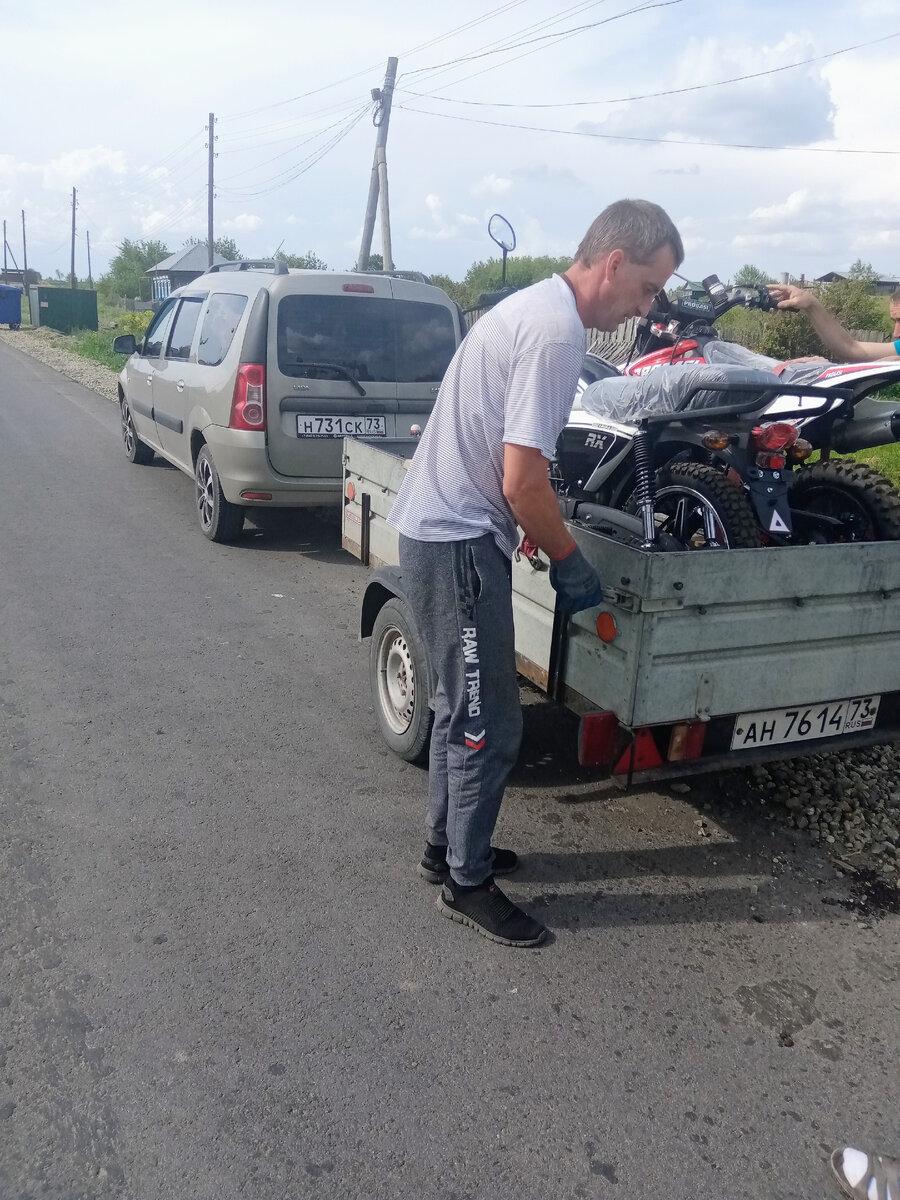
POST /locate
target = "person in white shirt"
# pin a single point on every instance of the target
(479, 471)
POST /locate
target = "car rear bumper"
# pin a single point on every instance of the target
(243, 465)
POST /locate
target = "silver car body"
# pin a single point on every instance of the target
(323, 338)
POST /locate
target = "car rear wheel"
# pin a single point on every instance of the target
(398, 673)
(220, 520)
(136, 451)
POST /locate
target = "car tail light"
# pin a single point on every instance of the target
(773, 439)
(248, 405)
(365, 288)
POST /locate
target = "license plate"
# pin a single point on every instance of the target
(313, 426)
(775, 726)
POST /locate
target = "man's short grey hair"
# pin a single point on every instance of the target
(638, 227)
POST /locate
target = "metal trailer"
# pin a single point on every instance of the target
(695, 661)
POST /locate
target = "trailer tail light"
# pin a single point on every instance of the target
(248, 404)
(800, 450)
(600, 739)
(772, 439)
(641, 755)
(686, 741)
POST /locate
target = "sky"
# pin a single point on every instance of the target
(543, 112)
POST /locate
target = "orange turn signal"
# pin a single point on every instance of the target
(607, 628)
(715, 440)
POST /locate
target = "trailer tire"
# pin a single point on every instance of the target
(852, 491)
(398, 674)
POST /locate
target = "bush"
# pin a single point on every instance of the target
(136, 322)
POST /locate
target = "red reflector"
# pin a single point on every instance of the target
(248, 404)
(358, 287)
(774, 438)
(351, 490)
(641, 755)
(771, 462)
(599, 739)
(256, 495)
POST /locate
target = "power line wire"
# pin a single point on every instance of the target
(698, 87)
(622, 137)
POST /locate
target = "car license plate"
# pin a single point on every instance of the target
(314, 426)
(803, 723)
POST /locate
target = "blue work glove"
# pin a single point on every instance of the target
(577, 584)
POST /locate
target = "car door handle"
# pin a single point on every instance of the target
(179, 386)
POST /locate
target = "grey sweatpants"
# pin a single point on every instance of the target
(462, 603)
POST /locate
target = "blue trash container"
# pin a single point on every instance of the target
(10, 306)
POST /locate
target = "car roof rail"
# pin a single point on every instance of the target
(246, 264)
(414, 276)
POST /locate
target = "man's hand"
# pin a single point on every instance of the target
(790, 297)
(577, 584)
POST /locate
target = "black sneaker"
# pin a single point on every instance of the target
(433, 866)
(490, 913)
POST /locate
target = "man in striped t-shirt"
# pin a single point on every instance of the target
(479, 471)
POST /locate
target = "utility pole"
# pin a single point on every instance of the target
(4, 253)
(209, 202)
(25, 266)
(378, 178)
(72, 273)
(90, 278)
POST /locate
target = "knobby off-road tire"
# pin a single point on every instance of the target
(684, 490)
(398, 674)
(136, 451)
(220, 520)
(852, 492)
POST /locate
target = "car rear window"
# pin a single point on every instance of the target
(375, 338)
(223, 314)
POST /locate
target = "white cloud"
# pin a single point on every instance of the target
(76, 166)
(242, 223)
(491, 185)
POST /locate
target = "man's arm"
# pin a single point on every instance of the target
(838, 341)
(527, 489)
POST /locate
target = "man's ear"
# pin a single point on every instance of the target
(614, 261)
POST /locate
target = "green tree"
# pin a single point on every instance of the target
(127, 270)
(456, 291)
(309, 261)
(752, 276)
(375, 262)
(226, 246)
(521, 271)
(862, 272)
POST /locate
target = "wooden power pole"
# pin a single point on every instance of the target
(209, 200)
(72, 272)
(378, 178)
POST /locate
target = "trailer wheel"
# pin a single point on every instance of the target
(863, 501)
(398, 673)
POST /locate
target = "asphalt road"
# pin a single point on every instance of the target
(221, 975)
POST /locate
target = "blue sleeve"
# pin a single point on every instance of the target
(897, 345)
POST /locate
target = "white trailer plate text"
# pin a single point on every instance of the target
(804, 723)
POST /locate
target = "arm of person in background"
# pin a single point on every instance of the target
(526, 486)
(838, 341)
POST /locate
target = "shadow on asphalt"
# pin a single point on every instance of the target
(302, 531)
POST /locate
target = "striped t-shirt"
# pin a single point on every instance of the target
(512, 380)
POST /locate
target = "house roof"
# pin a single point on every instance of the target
(844, 273)
(194, 258)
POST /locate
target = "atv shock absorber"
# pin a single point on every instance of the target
(645, 485)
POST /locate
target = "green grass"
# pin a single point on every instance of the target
(885, 459)
(97, 346)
